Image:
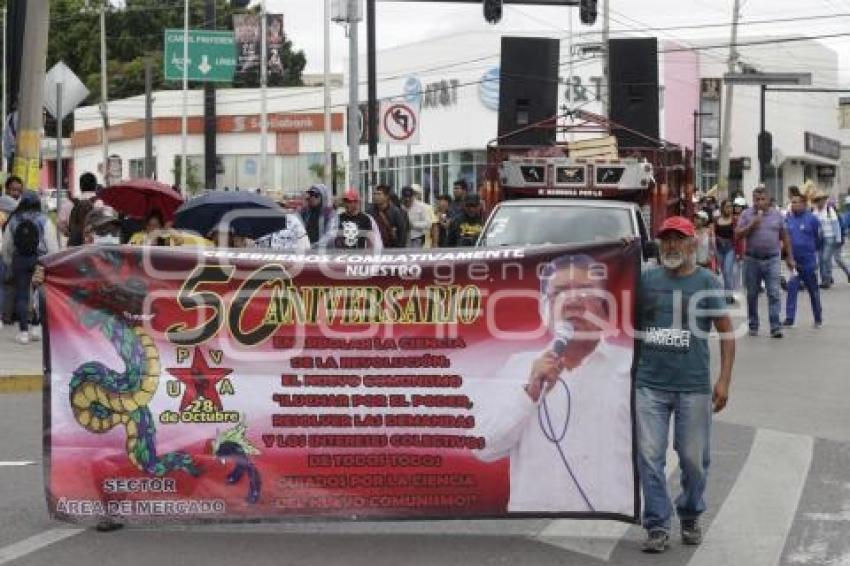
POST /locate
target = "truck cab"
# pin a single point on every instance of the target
(535, 222)
(561, 200)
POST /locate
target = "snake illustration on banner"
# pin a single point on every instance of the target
(102, 397)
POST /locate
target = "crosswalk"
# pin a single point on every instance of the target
(774, 498)
(759, 495)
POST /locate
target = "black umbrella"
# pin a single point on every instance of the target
(248, 214)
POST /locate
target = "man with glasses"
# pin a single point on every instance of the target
(678, 302)
(563, 416)
(763, 228)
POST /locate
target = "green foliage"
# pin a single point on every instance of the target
(135, 33)
(193, 180)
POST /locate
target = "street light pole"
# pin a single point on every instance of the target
(104, 94)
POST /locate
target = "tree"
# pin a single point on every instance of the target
(135, 31)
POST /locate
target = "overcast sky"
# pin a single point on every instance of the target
(402, 22)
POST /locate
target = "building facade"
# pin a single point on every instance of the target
(451, 83)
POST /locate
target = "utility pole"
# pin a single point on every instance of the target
(184, 126)
(606, 36)
(353, 96)
(372, 108)
(31, 94)
(327, 126)
(149, 172)
(5, 101)
(210, 151)
(104, 94)
(726, 127)
(264, 114)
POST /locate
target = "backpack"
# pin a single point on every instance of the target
(27, 237)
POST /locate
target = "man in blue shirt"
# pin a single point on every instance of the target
(804, 230)
(678, 303)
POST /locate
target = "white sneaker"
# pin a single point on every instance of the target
(23, 338)
(35, 333)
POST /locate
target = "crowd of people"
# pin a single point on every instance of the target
(746, 246)
(391, 220)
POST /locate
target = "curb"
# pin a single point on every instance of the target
(22, 383)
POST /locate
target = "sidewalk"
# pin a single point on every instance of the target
(20, 365)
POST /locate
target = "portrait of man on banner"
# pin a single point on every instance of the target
(246, 29)
(562, 416)
(274, 44)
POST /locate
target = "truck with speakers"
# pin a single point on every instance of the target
(583, 192)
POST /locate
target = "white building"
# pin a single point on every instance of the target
(451, 78)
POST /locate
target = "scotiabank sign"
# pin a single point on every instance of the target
(278, 123)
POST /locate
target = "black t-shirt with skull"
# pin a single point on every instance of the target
(353, 231)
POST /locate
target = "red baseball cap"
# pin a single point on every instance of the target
(678, 224)
(351, 195)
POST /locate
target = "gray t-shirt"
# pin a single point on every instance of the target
(674, 354)
(767, 238)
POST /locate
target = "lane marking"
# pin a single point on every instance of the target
(34, 543)
(597, 539)
(14, 464)
(754, 521)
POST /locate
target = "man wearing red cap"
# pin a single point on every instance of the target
(355, 229)
(677, 304)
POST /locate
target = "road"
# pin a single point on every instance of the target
(778, 493)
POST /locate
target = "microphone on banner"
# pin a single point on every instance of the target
(564, 332)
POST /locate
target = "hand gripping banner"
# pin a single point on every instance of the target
(233, 385)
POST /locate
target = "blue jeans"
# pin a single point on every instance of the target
(756, 271)
(830, 251)
(809, 277)
(726, 258)
(22, 271)
(691, 440)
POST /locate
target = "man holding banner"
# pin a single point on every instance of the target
(563, 416)
(679, 302)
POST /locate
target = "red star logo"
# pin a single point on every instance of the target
(200, 381)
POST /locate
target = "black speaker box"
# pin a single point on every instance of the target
(633, 80)
(528, 89)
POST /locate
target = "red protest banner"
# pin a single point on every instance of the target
(237, 384)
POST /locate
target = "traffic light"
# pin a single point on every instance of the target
(587, 12)
(765, 147)
(493, 11)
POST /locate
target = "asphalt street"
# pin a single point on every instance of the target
(778, 493)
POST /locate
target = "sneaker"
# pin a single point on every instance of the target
(776, 333)
(35, 333)
(656, 542)
(819, 324)
(108, 525)
(23, 338)
(789, 323)
(691, 532)
(754, 332)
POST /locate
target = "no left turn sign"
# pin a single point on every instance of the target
(399, 123)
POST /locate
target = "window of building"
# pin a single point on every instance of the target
(137, 168)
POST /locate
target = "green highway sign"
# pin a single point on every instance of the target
(212, 55)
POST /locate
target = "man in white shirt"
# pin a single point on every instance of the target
(420, 217)
(563, 417)
(833, 239)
